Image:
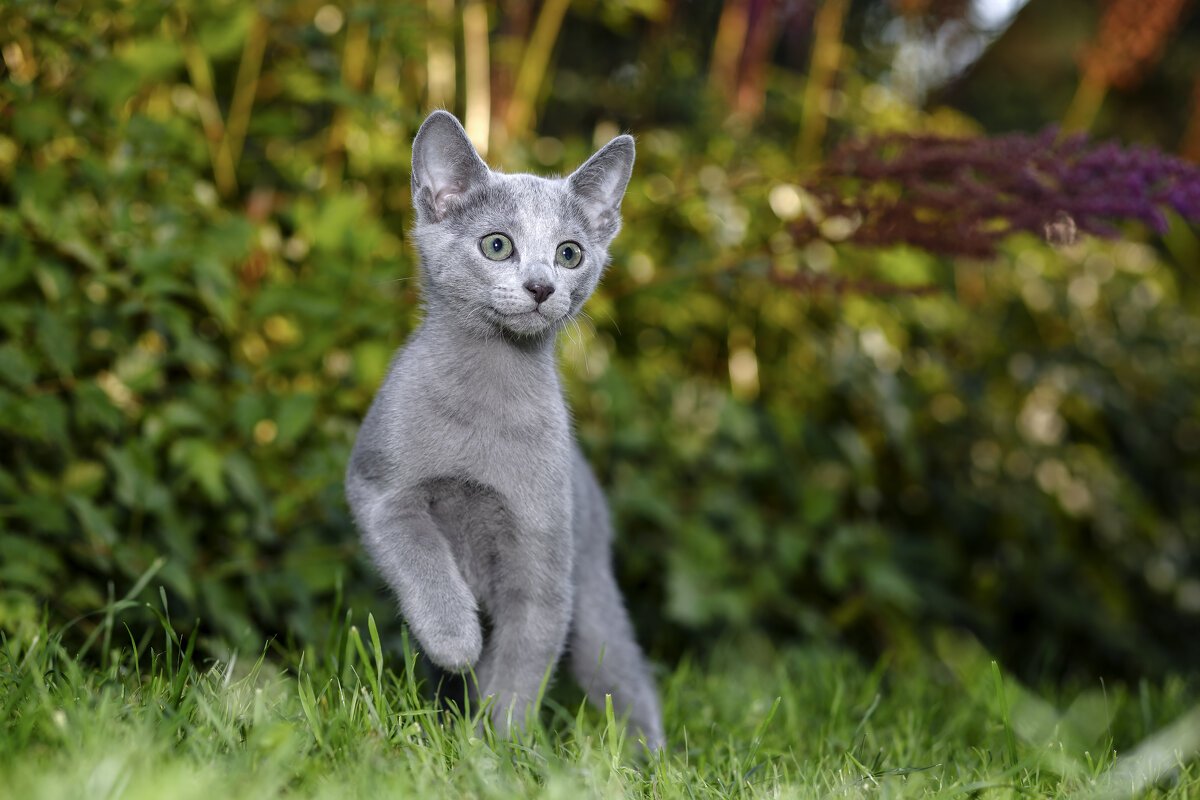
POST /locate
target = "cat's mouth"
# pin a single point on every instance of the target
(531, 321)
(533, 312)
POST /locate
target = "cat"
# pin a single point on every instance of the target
(466, 483)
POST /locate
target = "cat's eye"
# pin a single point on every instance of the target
(569, 255)
(496, 246)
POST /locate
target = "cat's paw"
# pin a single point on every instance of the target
(454, 647)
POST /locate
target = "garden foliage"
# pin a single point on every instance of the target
(200, 294)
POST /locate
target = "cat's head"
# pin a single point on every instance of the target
(514, 254)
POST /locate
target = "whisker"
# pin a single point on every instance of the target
(582, 348)
(565, 328)
(613, 321)
(591, 322)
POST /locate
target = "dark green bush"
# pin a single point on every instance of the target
(185, 361)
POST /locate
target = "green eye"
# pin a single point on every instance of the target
(569, 255)
(496, 246)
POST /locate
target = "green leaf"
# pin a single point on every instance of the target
(136, 485)
(28, 562)
(295, 416)
(49, 417)
(370, 363)
(40, 515)
(201, 463)
(84, 478)
(248, 410)
(94, 410)
(85, 253)
(339, 222)
(245, 483)
(36, 121)
(15, 367)
(16, 254)
(56, 340)
(216, 286)
(223, 35)
(179, 415)
(110, 81)
(818, 503)
(93, 520)
(151, 58)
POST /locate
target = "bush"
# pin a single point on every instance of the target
(191, 338)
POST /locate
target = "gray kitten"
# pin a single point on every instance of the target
(466, 483)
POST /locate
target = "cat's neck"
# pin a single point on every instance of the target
(472, 356)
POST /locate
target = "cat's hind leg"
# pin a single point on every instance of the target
(605, 657)
(604, 654)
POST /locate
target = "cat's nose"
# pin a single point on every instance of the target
(540, 291)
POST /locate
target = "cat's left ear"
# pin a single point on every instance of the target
(600, 184)
(445, 166)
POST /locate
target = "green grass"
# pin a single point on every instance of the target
(146, 720)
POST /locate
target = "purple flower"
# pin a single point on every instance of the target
(963, 196)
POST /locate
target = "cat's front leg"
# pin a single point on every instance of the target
(530, 609)
(527, 638)
(415, 559)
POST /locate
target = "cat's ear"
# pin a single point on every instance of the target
(600, 184)
(445, 166)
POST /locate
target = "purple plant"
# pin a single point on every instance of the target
(961, 197)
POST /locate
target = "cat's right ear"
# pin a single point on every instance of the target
(445, 166)
(600, 184)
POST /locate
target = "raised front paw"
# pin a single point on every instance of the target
(453, 643)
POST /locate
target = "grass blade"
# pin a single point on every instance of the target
(1010, 739)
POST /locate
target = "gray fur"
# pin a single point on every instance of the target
(466, 483)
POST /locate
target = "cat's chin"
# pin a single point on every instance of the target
(524, 323)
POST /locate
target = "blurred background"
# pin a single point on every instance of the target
(205, 265)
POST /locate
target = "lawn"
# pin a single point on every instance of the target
(151, 719)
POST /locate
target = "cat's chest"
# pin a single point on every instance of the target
(484, 431)
(523, 458)
(485, 414)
